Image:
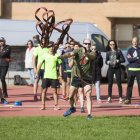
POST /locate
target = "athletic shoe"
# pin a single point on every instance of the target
(31, 85)
(127, 102)
(51, 97)
(120, 100)
(82, 110)
(99, 101)
(35, 98)
(42, 108)
(69, 111)
(57, 108)
(67, 99)
(5, 95)
(109, 100)
(63, 97)
(89, 117)
(3, 101)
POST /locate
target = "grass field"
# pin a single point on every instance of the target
(70, 128)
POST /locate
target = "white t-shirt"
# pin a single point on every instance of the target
(29, 58)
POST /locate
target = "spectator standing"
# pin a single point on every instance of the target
(50, 79)
(79, 92)
(36, 40)
(5, 54)
(114, 58)
(133, 57)
(29, 61)
(97, 66)
(66, 72)
(38, 52)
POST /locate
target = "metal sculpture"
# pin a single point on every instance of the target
(46, 24)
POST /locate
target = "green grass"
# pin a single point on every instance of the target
(70, 128)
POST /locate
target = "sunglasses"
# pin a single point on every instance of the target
(87, 43)
(112, 44)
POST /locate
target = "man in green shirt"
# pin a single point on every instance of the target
(82, 75)
(38, 52)
(52, 65)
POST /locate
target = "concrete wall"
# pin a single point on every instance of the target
(10, 77)
(17, 66)
(18, 57)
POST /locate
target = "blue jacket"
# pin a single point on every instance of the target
(134, 60)
(97, 66)
(65, 63)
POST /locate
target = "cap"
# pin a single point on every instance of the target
(2, 39)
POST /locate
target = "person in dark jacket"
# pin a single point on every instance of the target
(5, 52)
(97, 65)
(66, 72)
(114, 58)
(133, 57)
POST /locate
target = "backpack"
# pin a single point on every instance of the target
(17, 80)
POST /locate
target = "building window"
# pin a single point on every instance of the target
(124, 32)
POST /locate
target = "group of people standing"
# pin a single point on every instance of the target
(114, 58)
(73, 66)
(77, 67)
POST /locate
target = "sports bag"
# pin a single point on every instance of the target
(17, 80)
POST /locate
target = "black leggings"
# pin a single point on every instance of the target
(130, 82)
(3, 72)
(117, 72)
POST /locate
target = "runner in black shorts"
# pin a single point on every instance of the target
(82, 73)
(51, 61)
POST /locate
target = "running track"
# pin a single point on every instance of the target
(32, 108)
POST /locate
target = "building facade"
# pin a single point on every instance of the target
(119, 19)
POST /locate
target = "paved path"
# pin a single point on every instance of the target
(31, 108)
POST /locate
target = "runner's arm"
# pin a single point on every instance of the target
(71, 62)
(60, 70)
(38, 68)
(34, 63)
(67, 55)
(90, 55)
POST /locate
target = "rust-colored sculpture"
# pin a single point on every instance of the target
(46, 24)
